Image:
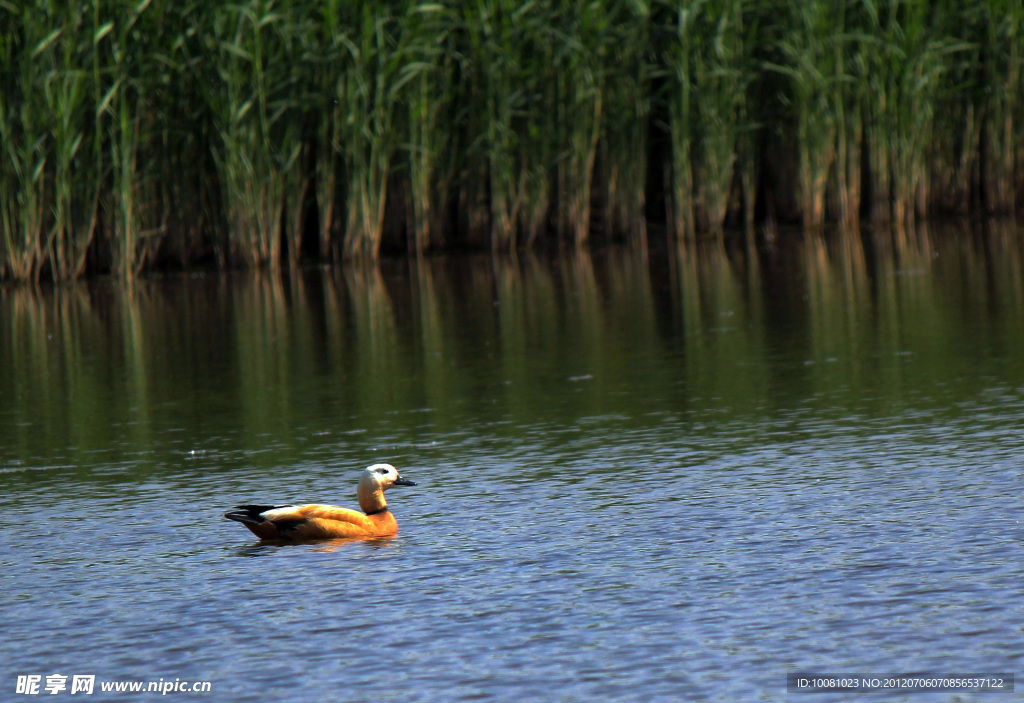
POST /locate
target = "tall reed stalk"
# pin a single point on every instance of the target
(255, 113)
(847, 98)
(495, 30)
(581, 82)
(52, 169)
(622, 149)
(809, 49)
(914, 83)
(327, 64)
(1000, 67)
(369, 94)
(431, 97)
(78, 161)
(682, 128)
(24, 129)
(722, 77)
(123, 43)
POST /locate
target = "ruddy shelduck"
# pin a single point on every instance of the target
(309, 522)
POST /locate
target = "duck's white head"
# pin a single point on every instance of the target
(375, 480)
(384, 476)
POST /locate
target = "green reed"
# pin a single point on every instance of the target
(917, 64)
(992, 62)
(722, 77)
(430, 96)
(23, 134)
(124, 41)
(582, 82)
(255, 105)
(51, 168)
(627, 98)
(497, 32)
(681, 98)
(809, 62)
(144, 133)
(328, 45)
(367, 137)
(710, 67)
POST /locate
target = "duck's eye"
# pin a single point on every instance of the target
(382, 471)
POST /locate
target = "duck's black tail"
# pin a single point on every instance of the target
(250, 514)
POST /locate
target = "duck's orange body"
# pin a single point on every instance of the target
(308, 522)
(312, 522)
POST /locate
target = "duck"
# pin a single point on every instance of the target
(294, 523)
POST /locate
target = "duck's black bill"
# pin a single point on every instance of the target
(403, 482)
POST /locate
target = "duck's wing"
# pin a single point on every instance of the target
(252, 514)
(302, 513)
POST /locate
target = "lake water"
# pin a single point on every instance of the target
(672, 475)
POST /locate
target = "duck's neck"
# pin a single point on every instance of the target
(371, 499)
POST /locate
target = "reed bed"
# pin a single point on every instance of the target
(148, 133)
